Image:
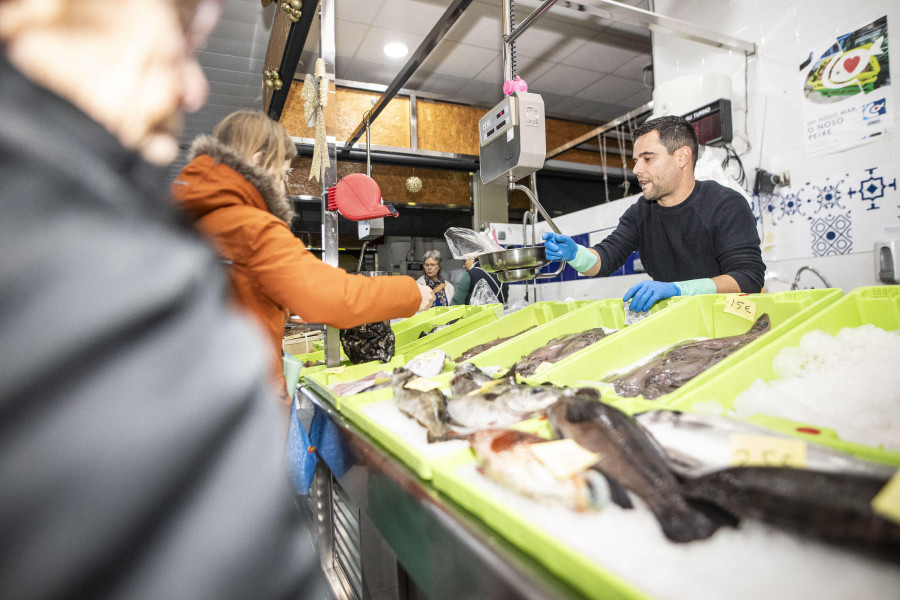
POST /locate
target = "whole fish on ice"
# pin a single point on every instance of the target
(429, 408)
(696, 444)
(558, 348)
(674, 367)
(630, 457)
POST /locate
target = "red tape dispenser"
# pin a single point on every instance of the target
(358, 198)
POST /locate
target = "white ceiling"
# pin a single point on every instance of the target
(586, 68)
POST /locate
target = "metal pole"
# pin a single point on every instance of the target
(329, 217)
(507, 46)
(529, 20)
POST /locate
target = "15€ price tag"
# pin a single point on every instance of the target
(422, 384)
(765, 451)
(887, 502)
(740, 306)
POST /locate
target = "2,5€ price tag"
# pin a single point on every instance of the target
(887, 502)
(740, 306)
(765, 451)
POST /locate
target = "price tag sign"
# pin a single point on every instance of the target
(564, 457)
(334, 370)
(765, 451)
(740, 306)
(542, 367)
(423, 385)
(887, 502)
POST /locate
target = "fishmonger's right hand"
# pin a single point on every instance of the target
(559, 246)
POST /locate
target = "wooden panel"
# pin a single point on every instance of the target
(391, 128)
(447, 127)
(438, 187)
(281, 27)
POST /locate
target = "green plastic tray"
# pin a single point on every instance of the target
(608, 313)
(567, 563)
(698, 316)
(534, 315)
(408, 330)
(470, 318)
(877, 305)
(321, 381)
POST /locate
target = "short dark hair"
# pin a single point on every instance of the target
(674, 133)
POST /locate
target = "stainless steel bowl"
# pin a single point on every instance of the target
(526, 257)
(523, 274)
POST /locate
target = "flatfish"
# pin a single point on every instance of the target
(559, 348)
(476, 350)
(674, 367)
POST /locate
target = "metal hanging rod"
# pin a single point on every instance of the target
(640, 110)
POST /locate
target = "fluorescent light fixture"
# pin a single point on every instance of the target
(396, 50)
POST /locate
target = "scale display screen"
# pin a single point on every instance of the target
(712, 123)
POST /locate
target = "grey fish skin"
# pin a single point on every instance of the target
(467, 414)
(697, 444)
(476, 350)
(630, 457)
(829, 506)
(558, 348)
(674, 367)
(429, 409)
(467, 378)
(503, 456)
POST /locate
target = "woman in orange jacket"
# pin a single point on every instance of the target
(234, 190)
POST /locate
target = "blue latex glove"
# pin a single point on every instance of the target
(559, 247)
(647, 293)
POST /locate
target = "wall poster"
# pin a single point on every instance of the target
(847, 90)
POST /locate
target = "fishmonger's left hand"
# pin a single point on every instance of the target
(647, 293)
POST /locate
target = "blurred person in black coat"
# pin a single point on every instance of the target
(140, 443)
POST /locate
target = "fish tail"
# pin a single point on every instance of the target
(682, 523)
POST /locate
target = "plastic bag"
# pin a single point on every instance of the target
(467, 243)
(483, 294)
(301, 454)
(372, 341)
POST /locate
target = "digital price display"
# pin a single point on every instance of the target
(712, 123)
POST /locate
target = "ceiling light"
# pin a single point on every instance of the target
(396, 50)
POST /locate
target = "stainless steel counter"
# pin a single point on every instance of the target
(386, 534)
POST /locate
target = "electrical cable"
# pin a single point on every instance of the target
(732, 156)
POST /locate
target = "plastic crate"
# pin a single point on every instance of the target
(470, 318)
(698, 316)
(877, 305)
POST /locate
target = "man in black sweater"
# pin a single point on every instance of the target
(694, 237)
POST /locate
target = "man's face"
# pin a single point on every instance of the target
(657, 171)
(129, 64)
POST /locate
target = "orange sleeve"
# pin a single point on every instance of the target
(293, 277)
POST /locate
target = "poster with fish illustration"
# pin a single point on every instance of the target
(846, 90)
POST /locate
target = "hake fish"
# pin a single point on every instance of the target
(559, 348)
(674, 367)
(630, 458)
(476, 350)
(833, 507)
(429, 408)
(697, 444)
(503, 456)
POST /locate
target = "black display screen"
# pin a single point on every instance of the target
(712, 123)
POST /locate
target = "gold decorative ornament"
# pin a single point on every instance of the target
(413, 184)
(273, 79)
(292, 8)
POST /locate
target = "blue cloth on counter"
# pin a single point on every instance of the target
(302, 462)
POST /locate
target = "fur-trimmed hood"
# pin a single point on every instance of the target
(258, 177)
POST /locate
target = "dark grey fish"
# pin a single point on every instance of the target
(429, 408)
(559, 348)
(476, 350)
(630, 458)
(679, 364)
(834, 507)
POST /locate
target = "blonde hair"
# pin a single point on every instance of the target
(252, 131)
